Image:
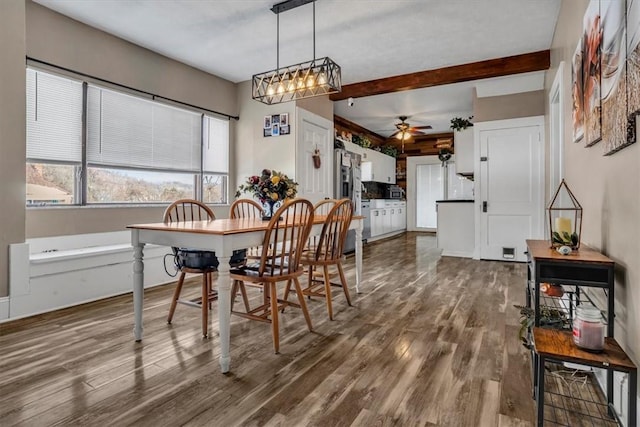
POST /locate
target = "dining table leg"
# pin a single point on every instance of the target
(224, 312)
(358, 255)
(138, 284)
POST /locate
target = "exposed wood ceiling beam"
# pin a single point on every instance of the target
(357, 129)
(528, 62)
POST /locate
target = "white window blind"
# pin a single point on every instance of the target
(54, 118)
(126, 131)
(215, 148)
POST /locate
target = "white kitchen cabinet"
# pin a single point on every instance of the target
(464, 151)
(386, 220)
(399, 216)
(379, 168)
(376, 222)
(387, 217)
(366, 172)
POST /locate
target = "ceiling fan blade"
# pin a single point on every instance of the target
(416, 132)
(422, 127)
(394, 134)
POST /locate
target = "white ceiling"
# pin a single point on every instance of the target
(370, 39)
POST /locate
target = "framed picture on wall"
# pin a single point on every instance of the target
(633, 69)
(591, 73)
(576, 91)
(275, 129)
(284, 119)
(284, 129)
(614, 76)
(275, 119)
(267, 122)
(266, 132)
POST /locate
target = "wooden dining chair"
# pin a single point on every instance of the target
(282, 246)
(328, 252)
(323, 207)
(245, 208)
(193, 210)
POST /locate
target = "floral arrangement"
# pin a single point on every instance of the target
(269, 186)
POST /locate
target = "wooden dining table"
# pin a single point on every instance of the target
(222, 236)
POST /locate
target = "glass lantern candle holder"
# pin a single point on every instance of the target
(565, 218)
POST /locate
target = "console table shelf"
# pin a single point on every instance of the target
(585, 268)
(555, 346)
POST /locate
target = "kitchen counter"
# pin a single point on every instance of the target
(456, 227)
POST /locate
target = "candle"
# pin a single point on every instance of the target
(563, 225)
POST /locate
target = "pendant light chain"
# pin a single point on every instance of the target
(277, 41)
(314, 29)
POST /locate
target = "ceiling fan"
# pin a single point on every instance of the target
(405, 131)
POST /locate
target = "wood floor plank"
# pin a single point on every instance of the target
(430, 341)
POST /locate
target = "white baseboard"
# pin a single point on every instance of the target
(4, 308)
(459, 254)
(384, 236)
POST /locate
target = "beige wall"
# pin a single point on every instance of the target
(513, 106)
(607, 187)
(61, 41)
(254, 152)
(12, 131)
(320, 105)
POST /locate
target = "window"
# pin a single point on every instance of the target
(137, 150)
(54, 139)
(215, 164)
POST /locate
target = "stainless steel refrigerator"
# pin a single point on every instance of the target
(348, 184)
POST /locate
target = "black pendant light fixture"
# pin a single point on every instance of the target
(320, 76)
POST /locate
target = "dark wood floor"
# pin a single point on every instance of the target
(430, 341)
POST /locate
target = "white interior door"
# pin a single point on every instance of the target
(314, 133)
(425, 185)
(511, 187)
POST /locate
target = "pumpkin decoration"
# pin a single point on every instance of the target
(552, 290)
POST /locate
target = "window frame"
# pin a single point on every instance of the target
(81, 172)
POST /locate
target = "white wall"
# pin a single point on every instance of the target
(253, 151)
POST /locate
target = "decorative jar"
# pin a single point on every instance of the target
(588, 329)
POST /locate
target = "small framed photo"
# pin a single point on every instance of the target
(275, 129)
(275, 119)
(284, 119)
(266, 132)
(267, 122)
(284, 129)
